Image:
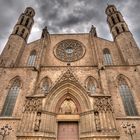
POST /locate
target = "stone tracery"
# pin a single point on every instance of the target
(33, 104)
(69, 50)
(103, 104)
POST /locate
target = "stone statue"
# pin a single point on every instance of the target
(97, 121)
(37, 121)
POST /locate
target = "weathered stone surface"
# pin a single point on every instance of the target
(36, 113)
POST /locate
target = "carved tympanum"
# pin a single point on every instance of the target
(68, 107)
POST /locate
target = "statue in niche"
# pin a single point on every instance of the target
(37, 121)
(12, 64)
(2, 62)
(97, 121)
(68, 107)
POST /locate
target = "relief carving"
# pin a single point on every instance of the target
(68, 107)
(37, 121)
(103, 104)
(68, 76)
(33, 104)
(97, 121)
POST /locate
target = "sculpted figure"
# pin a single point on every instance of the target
(97, 121)
(37, 121)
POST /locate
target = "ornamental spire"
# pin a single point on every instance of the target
(93, 31)
(45, 32)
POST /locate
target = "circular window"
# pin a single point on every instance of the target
(69, 50)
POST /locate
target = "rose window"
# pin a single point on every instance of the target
(69, 50)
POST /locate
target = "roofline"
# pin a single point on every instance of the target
(71, 34)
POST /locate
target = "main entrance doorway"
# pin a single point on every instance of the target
(68, 131)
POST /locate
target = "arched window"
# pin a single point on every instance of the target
(32, 58)
(27, 21)
(21, 20)
(113, 20)
(117, 30)
(30, 25)
(22, 32)
(30, 13)
(118, 17)
(127, 98)
(107, 57)
(123, 28)
(26, 36)
(45, 84)
(91, 85)
(16, 30)
(113, 9)
(11, 98)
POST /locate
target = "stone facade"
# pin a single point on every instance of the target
(54, 90)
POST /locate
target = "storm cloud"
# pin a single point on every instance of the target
(67, 16)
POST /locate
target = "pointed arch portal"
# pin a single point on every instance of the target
(66, 112)
(76, 94)
(68, 109)
(68, 100)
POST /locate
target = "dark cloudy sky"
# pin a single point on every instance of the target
(67, 16)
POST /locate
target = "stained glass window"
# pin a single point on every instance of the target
(127, 98)
(69, 50)
(32, 58)
(107, 57)
(11, 99)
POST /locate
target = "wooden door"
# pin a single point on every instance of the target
(68, 131)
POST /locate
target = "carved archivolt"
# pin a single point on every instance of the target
(103, 104)
(33, 104)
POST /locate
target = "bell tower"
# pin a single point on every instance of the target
(18, 39)
(122, 36)
(115, 21)
(24, 24)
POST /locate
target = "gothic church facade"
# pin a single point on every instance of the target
(70, 86)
